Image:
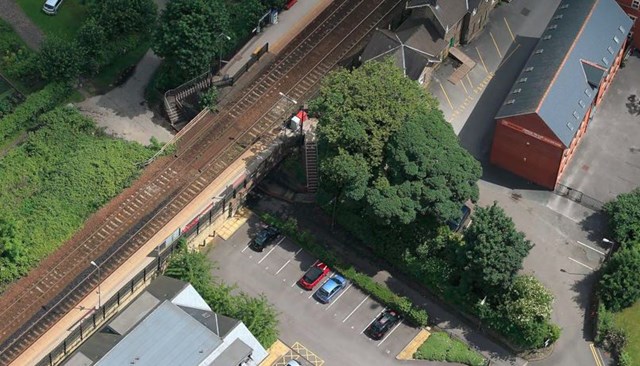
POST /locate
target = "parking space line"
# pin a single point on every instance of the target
(580, 263)
(445, 95)
(464, 87)
(373, 320)
(356, 308)
(388, 334)
(495, 44)
(590, 247)
(470, 83)
(509, 29)
(337, 298)
(245, 248)
(272, 249)
(289, 261)
(482, 60)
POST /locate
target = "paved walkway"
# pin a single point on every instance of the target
(11, 13)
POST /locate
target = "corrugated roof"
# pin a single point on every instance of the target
(555, 83)
(183, 340)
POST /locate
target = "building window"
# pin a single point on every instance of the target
(610, 50)
(547, 37)
(564, 6)
(516, 91)
(621, 29)
(552, 27)
(510, 101)
(539, 51)
(581, 103)
(522, 80)
(588, 92)
(557, 17)
(633, 18)
(605, 61)
(635, 4)
(615, 39)
(570, 125)
(576, 115)
(528, 69)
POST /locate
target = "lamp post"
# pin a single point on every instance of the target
(220, 50)
(99, 282)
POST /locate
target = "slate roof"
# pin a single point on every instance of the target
(414, 45)
(447, 12)
(560, 80)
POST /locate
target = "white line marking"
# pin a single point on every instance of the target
(312, 292)
(388, 334)
(245, 248)
(580, 263)
(272, 249)
(294, 283)
(590, 247)
(373, 320)
(339, 296)
(284, 265)
(356, 308)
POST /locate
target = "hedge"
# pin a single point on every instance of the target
(25, 116)
(378, 291)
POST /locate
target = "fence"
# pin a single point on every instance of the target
(231, 199)
(173, 98)
(579, 197)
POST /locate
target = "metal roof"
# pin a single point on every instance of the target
(234, 354)
(560, 80)
(168, 336)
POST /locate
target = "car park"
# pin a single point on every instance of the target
(51, 6)
(293, 363)
(263, 238)
(313, 275)
(330, 289)
(383, 324)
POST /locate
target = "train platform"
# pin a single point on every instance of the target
(291, 22)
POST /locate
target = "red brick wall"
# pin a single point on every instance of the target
(526, 153)
(626, 6)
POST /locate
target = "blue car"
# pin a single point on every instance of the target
(330, 289)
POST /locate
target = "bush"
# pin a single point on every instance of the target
(441, 347)
(59, 60)
(378, 291)
(624, 217)
(24, 117)
(620, 283)
(624, 359)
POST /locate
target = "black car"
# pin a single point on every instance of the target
(263, 238)
(383, 323)
(458, 224)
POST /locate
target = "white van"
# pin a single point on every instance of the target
(51, 6)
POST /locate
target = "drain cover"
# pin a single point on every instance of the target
(525, 11)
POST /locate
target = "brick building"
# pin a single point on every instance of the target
(632, 8)
(549, 107)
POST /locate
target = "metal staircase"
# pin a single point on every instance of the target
(311, 164)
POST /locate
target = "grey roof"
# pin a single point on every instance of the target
(560, 80)
(447, 12)
(233, 355)
(130, 316)
(168, 336)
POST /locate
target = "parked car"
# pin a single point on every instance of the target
(383, 323)
(51, 6)
(458, 224)
(264, 237)
(330, 289)
(313, 276)
(293, 363)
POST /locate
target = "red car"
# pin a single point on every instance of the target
(313, 276)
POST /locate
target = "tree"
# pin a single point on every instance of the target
(244, 16)
(59, 60)
(191, 35)
(209, 99)
(493, 252)
(91, 40)
(620, 283)
(624, 217)
(125, 17)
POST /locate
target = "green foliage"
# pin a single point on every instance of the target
(441, 347)
(624, 359)
(624, 217)
(124, 17)
(59, 176)
(376, 290)
(493, 253)
(64, 24)
(244, 16)
(190, 37)
(256, 313)
(59, 60)
(91, 41)
(17, 61)
(25, 116)
(209, 99)
(620, 282)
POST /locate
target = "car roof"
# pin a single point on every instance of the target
(333, 282)
(50, 2)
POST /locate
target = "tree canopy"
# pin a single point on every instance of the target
(620, 282)
(124, 17)
(395, 148)
(493, 253)
(624, 217)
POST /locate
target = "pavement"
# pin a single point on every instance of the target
(330, 334)
(11, 13)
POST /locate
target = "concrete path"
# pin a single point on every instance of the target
(11, 13)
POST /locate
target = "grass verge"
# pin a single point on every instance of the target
(441, 347)
(629, 320)
(64, 24)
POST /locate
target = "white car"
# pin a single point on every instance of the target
(51, 6)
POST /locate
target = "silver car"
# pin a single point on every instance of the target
(51, 6)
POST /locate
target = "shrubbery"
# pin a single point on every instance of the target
(442, 347)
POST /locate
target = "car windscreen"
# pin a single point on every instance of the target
(261, 237)
(312, 274)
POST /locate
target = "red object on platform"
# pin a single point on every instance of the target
(289, 4)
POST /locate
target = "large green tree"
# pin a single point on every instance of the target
(191, 35)
(59, 60)
(493, 253)
(624, 217)
(124, 17)
(391, 133)
(620, 283)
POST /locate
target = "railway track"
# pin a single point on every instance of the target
(204, 152)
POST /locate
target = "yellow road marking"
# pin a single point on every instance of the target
(596, 356)
(495, 44)
(308, 355)
(412, 347)
(464, 87)
(509, 29)
(446, 96)
(482, 60)
(470, 83)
